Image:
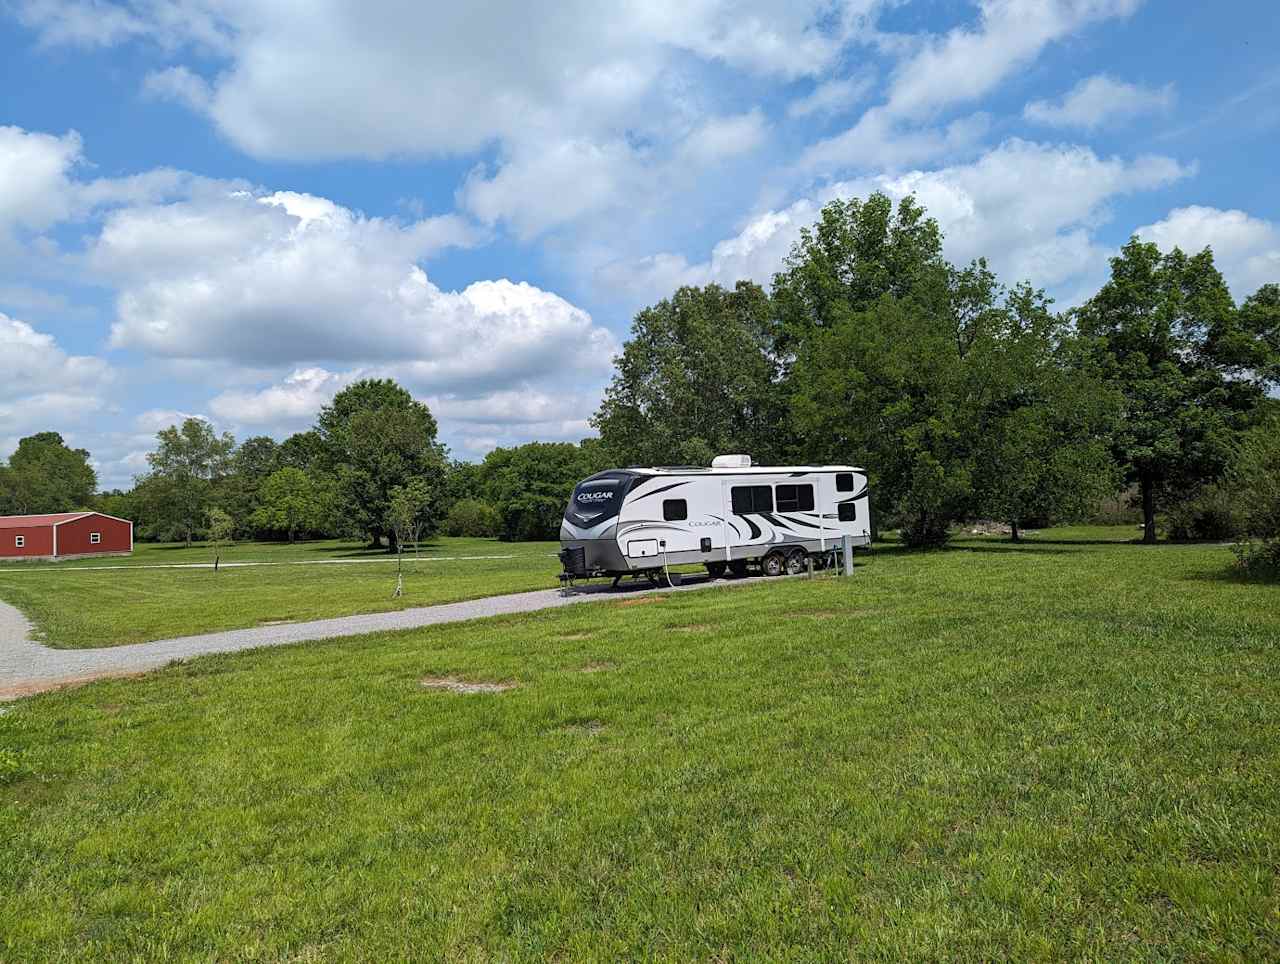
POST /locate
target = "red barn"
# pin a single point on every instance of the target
(64, 535)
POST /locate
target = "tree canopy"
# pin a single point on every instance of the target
(187, 462)
(1190, 367)
(45, 475)
(377, 437)
(697, 378)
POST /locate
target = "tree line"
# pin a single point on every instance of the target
(371, 467)
(963, 398)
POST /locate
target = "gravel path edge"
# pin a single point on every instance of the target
(28, 667)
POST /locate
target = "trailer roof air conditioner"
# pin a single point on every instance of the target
(731, 462)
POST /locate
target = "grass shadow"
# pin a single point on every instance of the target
(1013, 547)
(1235, 575)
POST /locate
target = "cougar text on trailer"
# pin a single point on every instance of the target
(639, 520)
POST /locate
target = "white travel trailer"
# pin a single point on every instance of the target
(638, 521)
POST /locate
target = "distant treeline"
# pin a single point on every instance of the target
(963, 398)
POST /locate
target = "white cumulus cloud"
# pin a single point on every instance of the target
(1100, 100)
(1030, 208)
(969, 61)
(286, 278)
(43, 387)
(573, 98)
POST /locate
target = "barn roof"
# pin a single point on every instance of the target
(52, 518)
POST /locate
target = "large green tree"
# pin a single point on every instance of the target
(376, 437)
(697, 378)
(858, 253)
(289, 502)
(187, 463)
(873, 327)
(237, 494)
(529, 485)
(959, 397)
(302, 450)
(1191, 368)
(45, 475)
(1042, 418)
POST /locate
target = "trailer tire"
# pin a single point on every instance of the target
(774, 564)
(716, 569)
(795, 562)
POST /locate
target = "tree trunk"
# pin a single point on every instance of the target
(393, 544)
(1148, 510)
(1014, 536)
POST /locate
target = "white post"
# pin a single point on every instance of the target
(725, 506)
(846, 543)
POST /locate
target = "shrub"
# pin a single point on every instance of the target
(1213, 513)
(1256, 478)
(471, 517)
(1259, 558)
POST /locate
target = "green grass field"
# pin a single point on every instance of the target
(1069, 748)
(104, 607)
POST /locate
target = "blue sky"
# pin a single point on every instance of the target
(223, 208)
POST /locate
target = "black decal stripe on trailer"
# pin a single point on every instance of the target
(775, 523)
(732, 524)
(801, 522)
(755, 529)
(665, 488)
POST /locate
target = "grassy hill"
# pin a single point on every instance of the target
(1065, 748)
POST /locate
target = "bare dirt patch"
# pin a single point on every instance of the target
(571, 637)
(454, 685)
(818, 614)
(691, 628)
(32, 687)
(600, 666)
(641, 600)
(273, 622)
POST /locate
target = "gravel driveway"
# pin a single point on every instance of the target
(28, 667)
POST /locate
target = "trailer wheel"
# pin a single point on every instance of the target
(774, 564)
(795, 562)
(716, 569)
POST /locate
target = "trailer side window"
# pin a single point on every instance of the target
(751, 498)
(848, 511)
(795, 498)
(844, 482)
(675, 510)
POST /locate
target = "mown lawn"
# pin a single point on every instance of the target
(75, 608)
(1054, 750)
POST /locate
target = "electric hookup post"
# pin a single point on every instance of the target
(846, 545)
